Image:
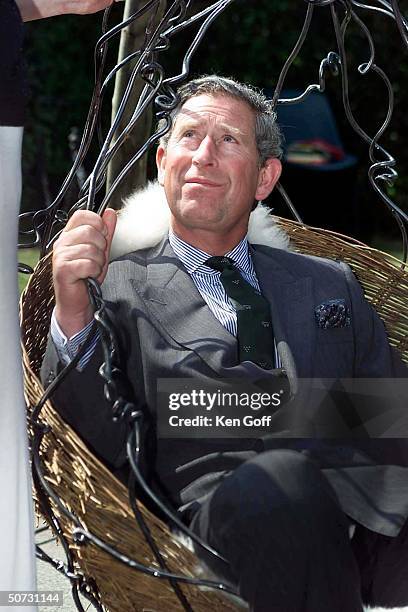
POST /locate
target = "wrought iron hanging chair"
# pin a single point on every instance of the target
(113, 559)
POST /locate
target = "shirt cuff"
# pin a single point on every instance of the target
(67, 348)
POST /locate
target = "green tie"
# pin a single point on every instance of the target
(255, 333)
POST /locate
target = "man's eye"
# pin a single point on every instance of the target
(188, 133)
(228, 138)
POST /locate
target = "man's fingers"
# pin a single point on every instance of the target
(78, 262)
(109, 218)
(84, 217)
(83, 248)
(82, 251)
(83, 234)
(79, 269)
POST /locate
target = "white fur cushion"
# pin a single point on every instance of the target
(144, 221)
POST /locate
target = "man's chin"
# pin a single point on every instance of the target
(199, 211)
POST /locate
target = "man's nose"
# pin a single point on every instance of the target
(206, 153)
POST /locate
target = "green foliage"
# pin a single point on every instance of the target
(59, 55)
(61, 79)
(29, 257)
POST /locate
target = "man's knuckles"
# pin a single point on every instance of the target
(84, 251)
(88, 233)
(69, 271)
(81, 217)
(88, 268)
(87, 218)
(81, 235)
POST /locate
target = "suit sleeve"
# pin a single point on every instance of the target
(374, 357)
(80, 400)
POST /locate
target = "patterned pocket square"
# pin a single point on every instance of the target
(332, 313)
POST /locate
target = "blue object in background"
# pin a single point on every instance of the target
(312, 119)
(318, 174)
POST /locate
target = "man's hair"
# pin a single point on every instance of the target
(267, 133)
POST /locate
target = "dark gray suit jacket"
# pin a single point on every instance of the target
(166, 330)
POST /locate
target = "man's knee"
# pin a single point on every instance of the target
(278, 501)
(271, 485)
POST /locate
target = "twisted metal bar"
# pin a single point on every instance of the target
(389, 162)
(382, 162)
(161, 90)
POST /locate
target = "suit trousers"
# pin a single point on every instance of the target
(278, 522)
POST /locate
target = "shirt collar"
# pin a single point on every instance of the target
(193, 259)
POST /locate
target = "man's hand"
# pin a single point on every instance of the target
(38, 9)
(85, 7)
(81, 251)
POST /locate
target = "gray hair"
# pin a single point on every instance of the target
(267, 133)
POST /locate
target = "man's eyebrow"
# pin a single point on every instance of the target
(188, 122)
(231, 128)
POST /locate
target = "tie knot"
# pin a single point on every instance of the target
(219, 263)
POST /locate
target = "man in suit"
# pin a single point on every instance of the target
(278, 507)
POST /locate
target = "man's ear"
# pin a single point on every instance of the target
(268, 177)
(160, 163)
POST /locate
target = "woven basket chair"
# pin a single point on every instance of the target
(100, 501)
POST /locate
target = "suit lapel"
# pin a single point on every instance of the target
(174, 301)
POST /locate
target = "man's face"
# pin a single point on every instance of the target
(210, 168)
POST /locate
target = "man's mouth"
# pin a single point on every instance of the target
(202, 181)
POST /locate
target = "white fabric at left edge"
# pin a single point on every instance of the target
(17, 557)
